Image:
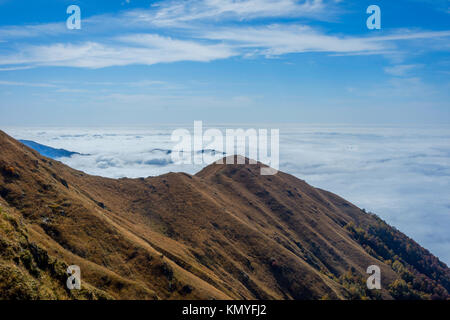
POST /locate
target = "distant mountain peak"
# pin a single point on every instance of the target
(47, 151)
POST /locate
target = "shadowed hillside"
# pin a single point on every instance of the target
(225, 233)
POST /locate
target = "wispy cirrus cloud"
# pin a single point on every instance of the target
(148, 49)
(15, 68)
(173, 13)
(182, 14)
(15, 32)
(282, 39)
(126, 50)
(401, 69)
(27, 84)
(201, 30)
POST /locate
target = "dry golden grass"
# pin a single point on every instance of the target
(224, 233)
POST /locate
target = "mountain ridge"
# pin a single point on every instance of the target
(48, 151)
(224, 233)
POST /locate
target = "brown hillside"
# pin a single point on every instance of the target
(224, 233)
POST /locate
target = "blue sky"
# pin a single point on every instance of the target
(139, 62)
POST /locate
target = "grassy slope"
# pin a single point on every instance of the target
(226, 232)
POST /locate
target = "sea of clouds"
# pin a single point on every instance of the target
(400, 173)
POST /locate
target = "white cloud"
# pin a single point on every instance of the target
(205, 46)
(206, 30)
(152, 48)
(400, 70)
(27, 84)
(406, 34)
(15, 68)
(281, 39)
(36, 30)
(128, 50)
(185, 14)
(176, 12)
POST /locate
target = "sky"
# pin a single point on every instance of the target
(139, 62)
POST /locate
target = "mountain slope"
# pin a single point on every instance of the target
(224, 233)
